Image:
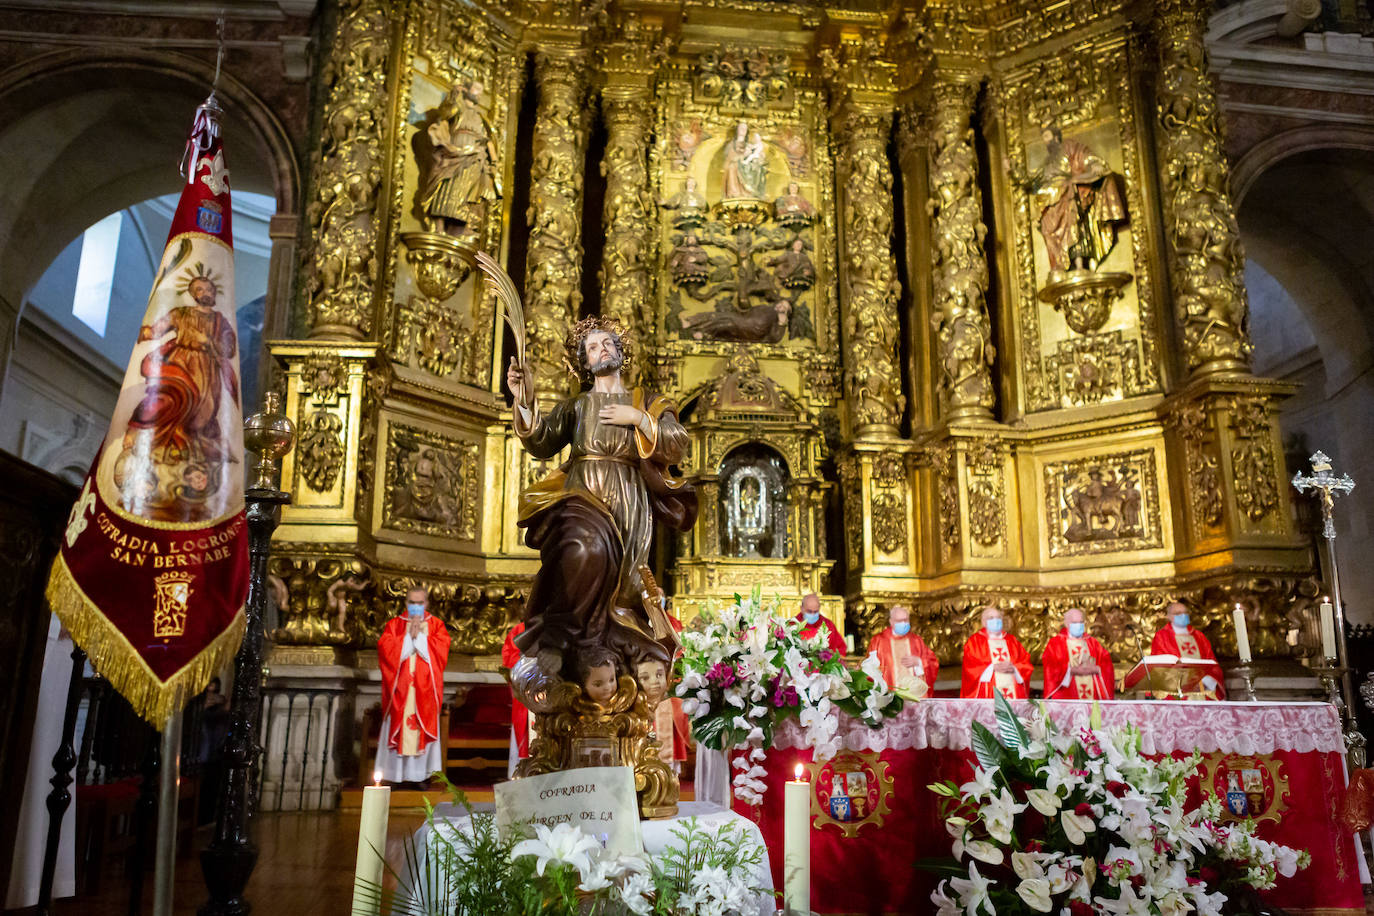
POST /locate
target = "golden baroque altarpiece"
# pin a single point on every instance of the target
(949, 294)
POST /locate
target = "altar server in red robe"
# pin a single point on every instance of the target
(412, 652)
(1179, 638)
(908, 665)
(995, 659)
(519, 714)
(1077, 666)
(813, 623)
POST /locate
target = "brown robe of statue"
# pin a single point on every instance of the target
(592, 521)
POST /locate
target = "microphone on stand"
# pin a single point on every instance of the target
(1149, 672)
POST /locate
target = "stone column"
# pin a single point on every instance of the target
(963, 345)
(872, 379)
(553, 278)
(1206, 263)
(342, 272)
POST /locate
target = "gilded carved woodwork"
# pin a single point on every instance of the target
(342, 273)
(872, 383)
(799, 207)
(1103, 503)
(432, 483)
(625, 279)
(1206, 261)
(963, 332)
(321, 450)
(1253, 465)
(553, 294)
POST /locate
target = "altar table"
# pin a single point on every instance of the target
(1297, 745)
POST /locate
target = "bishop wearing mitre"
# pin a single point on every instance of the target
(1179, 638)
(994, 659)
(908, 665)
(1077, 666)
(412, 653)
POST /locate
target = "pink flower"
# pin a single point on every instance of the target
(721, 674)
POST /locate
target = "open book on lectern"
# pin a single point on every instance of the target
(1168, 674)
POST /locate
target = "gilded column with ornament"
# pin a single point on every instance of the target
(1206, 262)
(553, 277)
(626, 105)
(342, 274)
(869, 270)
(963, 331)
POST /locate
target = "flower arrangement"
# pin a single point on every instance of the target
(1081, 824)
(745, 667)
(564, 871)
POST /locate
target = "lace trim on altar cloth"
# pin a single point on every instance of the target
(1165, 727)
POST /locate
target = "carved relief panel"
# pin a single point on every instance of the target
(431, 483)
(1083, 287)
(745, 208)
(1107, 503)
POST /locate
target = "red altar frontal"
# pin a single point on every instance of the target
(872, 817)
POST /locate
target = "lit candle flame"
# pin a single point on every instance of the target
(799, 772)
(377, 778)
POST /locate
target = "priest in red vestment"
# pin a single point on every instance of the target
(519, 714)
(1181, 639)
(1077, 666)
(995, 659)
(412, 653)
(908, 665)
(813, 622)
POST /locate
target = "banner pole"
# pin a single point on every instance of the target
(164, 869)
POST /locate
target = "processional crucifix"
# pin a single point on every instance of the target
(1328, 486)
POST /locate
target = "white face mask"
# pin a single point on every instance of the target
(994, 624)
(415, 609)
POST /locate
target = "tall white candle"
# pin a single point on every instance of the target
(1328, 615)
(1242, 635)
(796, 856)
(367, 877)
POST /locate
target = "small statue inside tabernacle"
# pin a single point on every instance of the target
(1080, 203)
(689, 206)
(744, 173)
(462, 176)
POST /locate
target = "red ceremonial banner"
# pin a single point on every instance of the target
(153, 570)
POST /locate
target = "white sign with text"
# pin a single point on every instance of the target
(600, 800)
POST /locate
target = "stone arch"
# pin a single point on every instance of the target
(1270, 151)
(89, 131)
(1306, 213)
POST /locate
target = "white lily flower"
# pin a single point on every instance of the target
(972, 891)
(564, 843)
(999, 815)
(981, 786)
(873, 668)
(947, 907)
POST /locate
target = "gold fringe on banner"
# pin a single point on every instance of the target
(118, 662)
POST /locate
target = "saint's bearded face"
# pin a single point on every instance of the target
(203, 291)
(602, 353)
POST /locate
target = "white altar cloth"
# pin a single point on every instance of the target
(1166, 726)
(657, 836)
